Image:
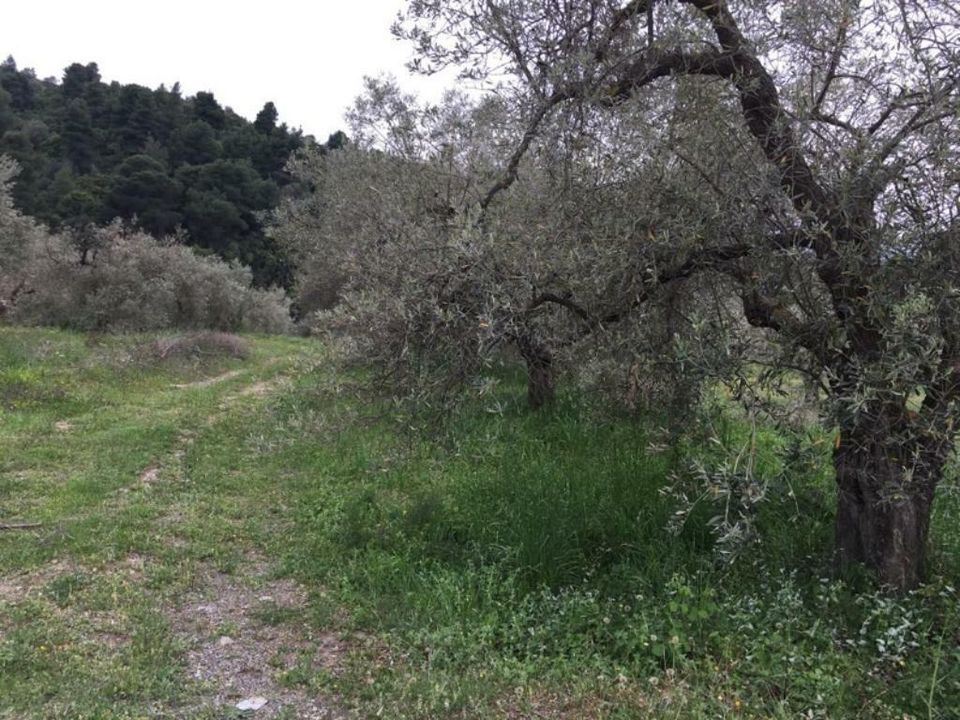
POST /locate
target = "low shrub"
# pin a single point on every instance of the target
(199, 344)
(133, 282)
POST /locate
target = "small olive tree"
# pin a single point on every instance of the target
(431, 279)
(134, 282)
(389, 243)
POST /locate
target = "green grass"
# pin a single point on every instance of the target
(512, 565)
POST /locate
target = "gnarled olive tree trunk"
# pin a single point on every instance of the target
(886, 478)
(541, 375)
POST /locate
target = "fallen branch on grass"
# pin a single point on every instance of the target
(19, 526)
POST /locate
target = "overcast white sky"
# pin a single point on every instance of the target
(307, 57)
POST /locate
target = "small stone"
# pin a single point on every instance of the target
(225, 640)
(254, 703)
(150, 475)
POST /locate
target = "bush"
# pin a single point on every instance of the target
(133, 282)
(18, 237)
(319, 287)
(200, 344)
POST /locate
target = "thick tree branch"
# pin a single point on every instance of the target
(564, 300)
(759, 309)
(705, 259)
(513, 164)
(762, 111)
(765, 312)
(620, 20)
(767, 120)
(654, 65)
(828, 225)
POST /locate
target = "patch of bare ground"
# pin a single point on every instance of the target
(527, 704)
(19, 587)
(258, 389)
(32, 584)
(243, 632)
(207, 382)
(149, 475)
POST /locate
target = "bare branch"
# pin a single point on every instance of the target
(835, 56)
(702, 260)
(658, 64)
(20, 526)
(918, 121)
(564, 300)
(823, 117)
(513, 164)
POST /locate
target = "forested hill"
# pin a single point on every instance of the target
(92, 151)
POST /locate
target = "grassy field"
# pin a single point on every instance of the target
(211, 529)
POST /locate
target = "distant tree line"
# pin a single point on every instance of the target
(90, 152)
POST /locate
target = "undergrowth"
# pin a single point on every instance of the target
(515, 553)
(506, 565)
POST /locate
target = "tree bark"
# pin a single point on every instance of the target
(19, 289)
(541, 376)
(885, 489)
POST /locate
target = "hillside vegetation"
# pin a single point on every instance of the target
(91, 151)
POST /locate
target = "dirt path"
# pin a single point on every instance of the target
(247, 639)
(207, 382)
(143, 591)
(246, 634)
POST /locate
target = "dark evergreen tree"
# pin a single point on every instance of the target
(77, 136)
(207, 109)
(77, 78)
(18, 84)
(266, 121)
(195, 144)
(134, 118)
(83, 203)
(8, 120)
(142, 188)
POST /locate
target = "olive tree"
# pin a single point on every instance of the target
(117, 279)
(18, 236)
(389, 242)
(847, 111)
(431, 279)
